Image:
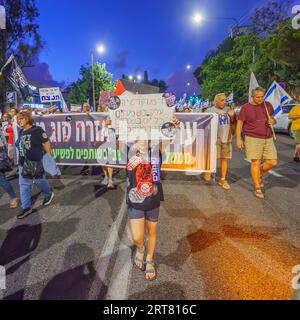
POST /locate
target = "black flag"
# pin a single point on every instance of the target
(16, 77)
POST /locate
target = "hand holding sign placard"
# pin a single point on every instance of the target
(141, 115)
(50, 95)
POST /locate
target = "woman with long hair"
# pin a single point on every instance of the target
(33, 144)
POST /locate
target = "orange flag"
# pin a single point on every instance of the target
(120, 88)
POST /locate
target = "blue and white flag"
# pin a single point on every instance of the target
(64, 106)
(277, 96)
(252, 85)
(2, 18)
(230, 98)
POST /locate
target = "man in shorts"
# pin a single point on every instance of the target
(226, 123)
(256, 120)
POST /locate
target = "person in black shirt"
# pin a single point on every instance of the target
(144, 194)
(33, 143)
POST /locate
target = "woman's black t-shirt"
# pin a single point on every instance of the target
(144, 189)
(31, 144)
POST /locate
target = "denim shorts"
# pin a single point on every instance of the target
(151, 215)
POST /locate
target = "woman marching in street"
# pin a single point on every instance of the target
(33, 143)
(144, 194)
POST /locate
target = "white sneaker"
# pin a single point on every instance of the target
(110, 184)
(105, 181)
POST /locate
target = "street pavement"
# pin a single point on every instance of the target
(212, 243)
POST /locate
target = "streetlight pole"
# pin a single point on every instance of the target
(198, 18)
(93, 80)
(230, 19)
(101, 50)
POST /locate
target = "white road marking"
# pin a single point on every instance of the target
(118, 289)
(270, 172)
(108, 250)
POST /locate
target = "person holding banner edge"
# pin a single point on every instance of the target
(226, 129)
(257, 121)
(108, 171)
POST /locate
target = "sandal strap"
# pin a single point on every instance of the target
(139, 260)
(139, 250)
(150, 271)
(150, 262)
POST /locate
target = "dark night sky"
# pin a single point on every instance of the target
(153, 35)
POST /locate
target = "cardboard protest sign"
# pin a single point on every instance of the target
(50, 95)
(104, 97)
(136, 116)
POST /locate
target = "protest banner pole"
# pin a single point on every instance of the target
(269, 118)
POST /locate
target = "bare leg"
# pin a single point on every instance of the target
(224, 167)
(151, 228)
(108, 177)
(297, 152)
(110, 172)
(255, 172)
(267, 166)
(137, 227)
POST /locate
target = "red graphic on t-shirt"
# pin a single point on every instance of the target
(144, 173)
(145, 189)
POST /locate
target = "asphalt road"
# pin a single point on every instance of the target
(212, 243)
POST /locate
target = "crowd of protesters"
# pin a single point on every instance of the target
(24, 145)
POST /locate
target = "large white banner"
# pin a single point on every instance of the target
(83, 139)
(50, 95)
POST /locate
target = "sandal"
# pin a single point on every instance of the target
(134, 258)
(150, 271)
(14, 203)
(224, 184)
(259, 194)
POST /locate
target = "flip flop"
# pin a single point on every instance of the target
(134, 258)
(259, 194)
(150, 271)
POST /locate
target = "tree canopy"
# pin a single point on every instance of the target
(82, 90)
(270, 47)
(21, 36)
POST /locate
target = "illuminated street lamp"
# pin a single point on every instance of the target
(188, 67)
(198, 18)
(101, 49)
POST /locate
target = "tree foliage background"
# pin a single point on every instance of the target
(81, 91)
(21, 36)
(270, 47)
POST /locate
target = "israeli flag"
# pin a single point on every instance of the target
(252, 85)
(230, 98)
(277, 96)
(2, 18)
